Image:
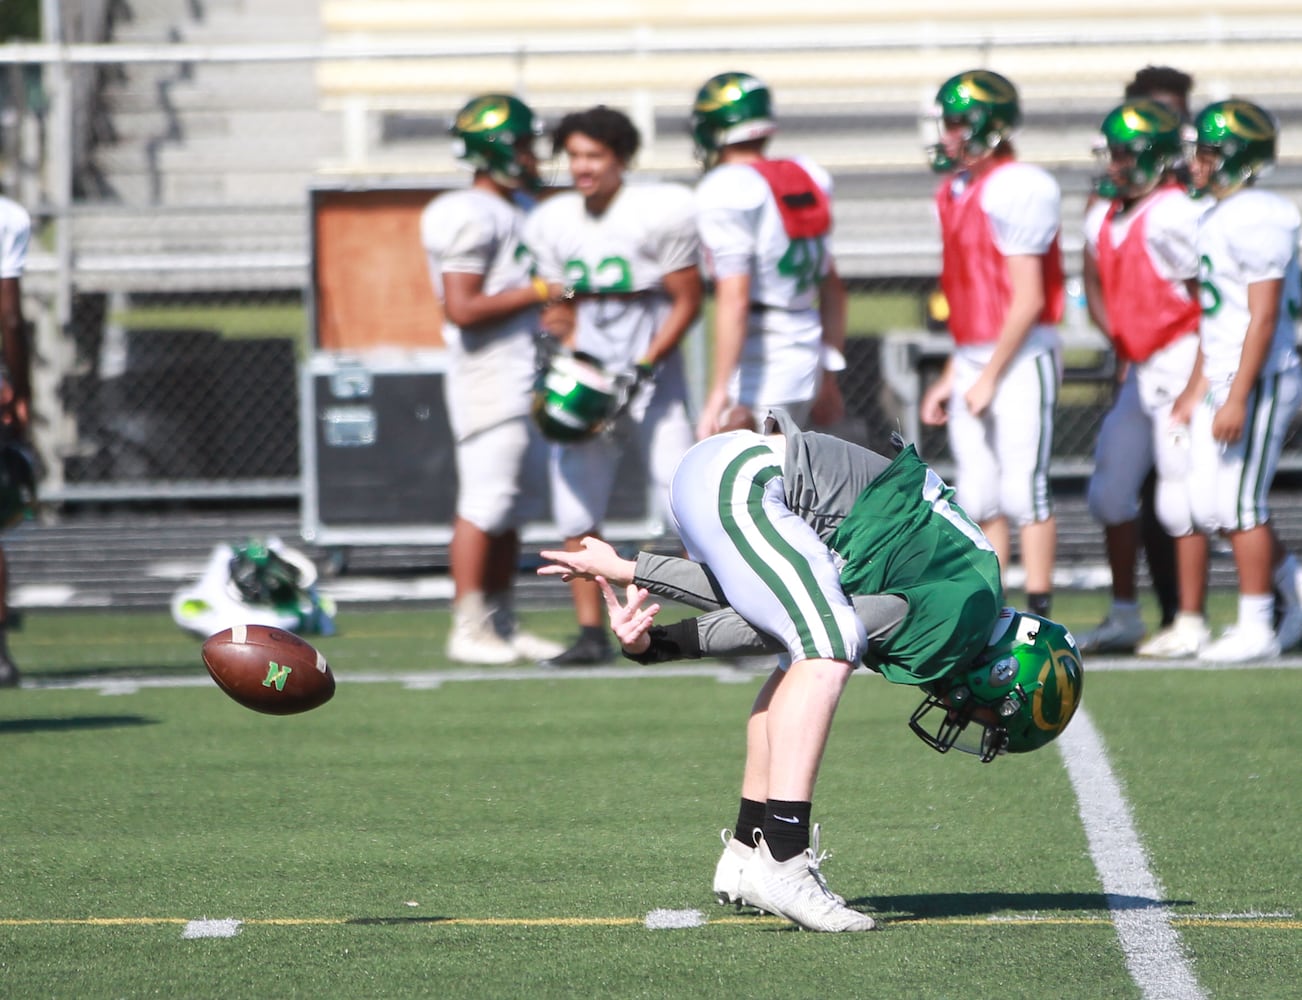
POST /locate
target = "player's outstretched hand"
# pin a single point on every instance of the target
(595, 557)
(630, 622)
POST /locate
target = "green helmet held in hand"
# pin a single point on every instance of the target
(730, 108)
(1236, 139)
(574, 398)
(1017, 699)
(1140, 141)
(984, 105)
(495, 133)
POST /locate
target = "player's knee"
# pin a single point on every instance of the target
(490, 514)
(1172, 507)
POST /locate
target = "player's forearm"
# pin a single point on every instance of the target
(678, 579)
(832, 300)
(720, 633)
(731, 315)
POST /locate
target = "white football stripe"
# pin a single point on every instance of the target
(239, 634)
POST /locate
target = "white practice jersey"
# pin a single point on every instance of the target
(616, 262)
(742, 233)
(15, 232)
(1249, 237)
(491, 367)
(1171, 229)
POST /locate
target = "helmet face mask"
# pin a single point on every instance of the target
(495, 133)
(1016, 700)
(981, 110)
(1139, 143)
(1233, 144)
(730, 108)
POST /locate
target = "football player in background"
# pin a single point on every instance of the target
(1002, 276)
(765, 225)
(627, 254)
(833, 555)
(1170, 87)
(1138, 262)
(491, 305)
(1246, 384)
(15, 393)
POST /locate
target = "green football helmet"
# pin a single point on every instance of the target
(985, 103)
(1139, 142)
(574, 398)
(489, 133)
(1018, 698)
(730, 108)
(17, 485)
(1242, 135)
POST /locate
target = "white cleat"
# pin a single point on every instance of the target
(727, 873)
(1183, 638)
(1119, 632)
(1241, 644)
(477, 642)
(528, 646)
(795, 889)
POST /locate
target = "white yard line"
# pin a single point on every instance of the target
(1153, 951)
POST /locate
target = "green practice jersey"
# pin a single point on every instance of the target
(905, 535)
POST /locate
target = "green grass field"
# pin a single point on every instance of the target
(447, 833)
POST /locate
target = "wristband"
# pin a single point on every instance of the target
(540, 289)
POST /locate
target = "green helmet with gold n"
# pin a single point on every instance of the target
(489, 134)
(1017, 698)
(1242, 137)
(730, 108)
(1139, 142)
(982, 102)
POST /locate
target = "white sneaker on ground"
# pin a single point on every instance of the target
(795, 889)
(1289, 632)
(727, 873)
(528, 646)
(1119, 632)
(477, 642)
(1241, 644)
(1183, 638)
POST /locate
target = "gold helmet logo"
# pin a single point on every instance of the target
(1247, 121)
(483, 115)
(990, 88)
(1054, 701)
(725, 90)
(1151, 117)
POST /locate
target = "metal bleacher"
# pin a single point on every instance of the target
(366, 88)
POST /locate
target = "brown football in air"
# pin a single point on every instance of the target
(268, 669)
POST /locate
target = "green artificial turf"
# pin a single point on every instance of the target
(439, 832)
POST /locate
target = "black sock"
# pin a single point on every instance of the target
(786, 828)
(1039, 604)
(750, 817)
(594, 633)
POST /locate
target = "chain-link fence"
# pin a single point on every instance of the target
(167, 151)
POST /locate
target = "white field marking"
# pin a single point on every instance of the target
(1154, 954)
(211, 929)
(674, 920)
(424, 680)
